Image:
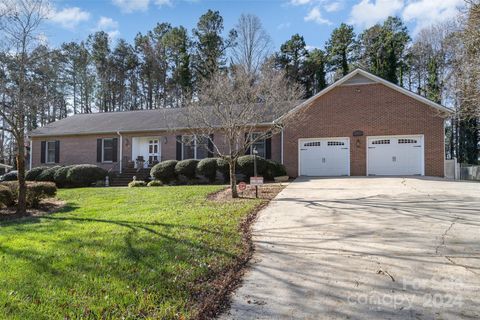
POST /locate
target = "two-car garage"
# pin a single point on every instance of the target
(385, 156)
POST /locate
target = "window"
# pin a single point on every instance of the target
(335, 143)
(312, 144)
(50, 151)
(195, 147)
(107, 150)
(384, 141)
(259, 145)
(407, 141)
(202, 147)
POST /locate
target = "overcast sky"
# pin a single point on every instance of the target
(314, 19)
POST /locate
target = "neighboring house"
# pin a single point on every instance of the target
(360, 125)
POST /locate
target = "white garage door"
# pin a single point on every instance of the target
(395, 155)
(324, 157)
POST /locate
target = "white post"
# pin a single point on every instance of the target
(121, 151)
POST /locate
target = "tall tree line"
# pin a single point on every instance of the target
(163, 67)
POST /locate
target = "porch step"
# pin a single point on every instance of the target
(127, 176)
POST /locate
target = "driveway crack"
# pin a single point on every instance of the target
(444, 235)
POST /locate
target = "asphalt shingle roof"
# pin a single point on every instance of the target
(126, 121)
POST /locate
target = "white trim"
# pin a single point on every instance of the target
(121, 151)
(324, 138)
(374, 78)
(421, 136)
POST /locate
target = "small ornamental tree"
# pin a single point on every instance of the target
(235, 103)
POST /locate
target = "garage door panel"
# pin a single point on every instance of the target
(324, 157)
(395, 155)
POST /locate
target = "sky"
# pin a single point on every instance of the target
(74, 20)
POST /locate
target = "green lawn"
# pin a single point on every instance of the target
(115, 253)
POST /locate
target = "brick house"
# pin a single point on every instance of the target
(360, 125)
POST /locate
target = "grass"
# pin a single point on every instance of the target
(115, 253)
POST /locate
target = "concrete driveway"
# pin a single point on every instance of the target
(365, 248)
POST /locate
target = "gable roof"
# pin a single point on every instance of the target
(352, 79)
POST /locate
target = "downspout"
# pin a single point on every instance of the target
(31, 154)
(281, 146)
(121, 151)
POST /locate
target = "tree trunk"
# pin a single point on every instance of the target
(22, 188)
(233, 178)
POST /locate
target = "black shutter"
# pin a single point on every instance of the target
(210, 146)
(179, 148)
(115, 149)
(57, 151)
(43, 146)
(247, 151)
(268, 147)
(99, 150)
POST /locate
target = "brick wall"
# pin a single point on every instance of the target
(376, 110)
(82, 149)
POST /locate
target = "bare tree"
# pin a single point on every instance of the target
(253, 43)
(232, 105)
(20, 22)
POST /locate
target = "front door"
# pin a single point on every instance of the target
(153, 154)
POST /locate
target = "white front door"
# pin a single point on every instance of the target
(153, 151)
(147, 148)
(395, 155)
(324, 157)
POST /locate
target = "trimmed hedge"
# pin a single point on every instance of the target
(224, 168)
(10, 176)
(137, 183)
(274, 169)
(36, 191)
(60, 177)
(208, 168)
(186, 168)
(155, 183)
(245, 165)
(84, 175)
(48, 174)
(34, 173)
(164, 171)
(6, 196)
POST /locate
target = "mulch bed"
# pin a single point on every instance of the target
(47, 206)
(227, 280)
(267, 192)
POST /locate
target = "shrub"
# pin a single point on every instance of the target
(274, 169)
(155, 183)
(245, 165)
(60, 177)
(186, 168)
(6, 196)
(36, 191)
(48, 174)
(34, 173)
(84, 175)
(164, 171)
(223, 167)
(136, 183)
(208, 168)
(10, 176)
